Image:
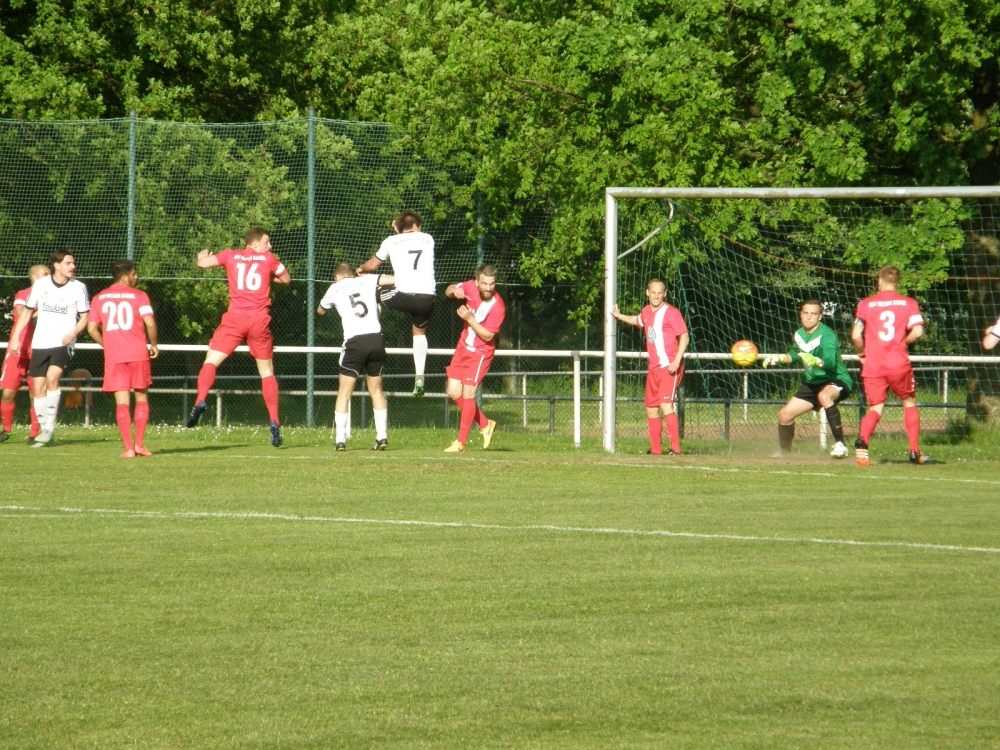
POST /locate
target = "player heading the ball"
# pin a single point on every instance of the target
(666, 341)
(356, 300)
(250, 272)
(827, 380)
(122, 319)
(15, 366)
(483, 313)
(63, 305)
(411, 252)
(884, 326)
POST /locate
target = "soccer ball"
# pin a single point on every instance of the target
(744, 353)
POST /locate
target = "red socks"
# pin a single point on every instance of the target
(124, 420)
(469, 410)
(36, 426)
(141, 420)
(7, 415)
(674, 431)
(655, 435)
(206, 379)
(269, 387)
(868, 423)
(911, 418)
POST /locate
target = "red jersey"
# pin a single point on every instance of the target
(489, 315)
(250, 275)
(662, 326)
(887, 318)
(20, 304)
(120, 310)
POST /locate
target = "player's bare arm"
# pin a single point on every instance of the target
(914, 334)
(81, 326)
(858, 339)
(682, 343)
(372, 264)
(467, 314)
(285, 278)
(386, 279)
(94, 331)
(20, 323)
(153, 334)
(454, 291)
(632, 320)
(207, 259)
(990, 339)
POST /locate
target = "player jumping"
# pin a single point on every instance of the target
(356, 299)
(883, 327)
(116, 326)
(250, 272)
(827, 379)
(63, 305)
(411, 252)
(15, 366)
(666, 341)
(483, 313)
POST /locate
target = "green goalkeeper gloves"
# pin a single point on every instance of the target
(810, 361)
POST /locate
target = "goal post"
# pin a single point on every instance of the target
(853, 229)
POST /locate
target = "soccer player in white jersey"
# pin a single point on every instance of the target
(356, 300)
(992, 336)
(411, 252)
(63, 306)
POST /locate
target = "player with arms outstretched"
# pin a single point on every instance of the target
(63, 306)
(411, 252)
(250, 272)
(122, 319)
(884, 326)
(827, 380)
(15, 366)
(483, 313)
(356, 300)
(667, 338)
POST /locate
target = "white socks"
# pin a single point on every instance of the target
(51, 410)
(341, 421)
(382, 420)
(42, 412)
(419, 357)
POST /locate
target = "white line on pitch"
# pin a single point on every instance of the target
(501, 527)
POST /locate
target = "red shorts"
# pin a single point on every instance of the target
(903, 384)
(126, 376)
(236, 328)
(661, 387)
(15, 370)
(469, 367)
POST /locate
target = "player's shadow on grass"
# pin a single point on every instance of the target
(201, 448)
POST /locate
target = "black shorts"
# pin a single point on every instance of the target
(363, 354)
(43, 359)
(419, 306)
(810, 392)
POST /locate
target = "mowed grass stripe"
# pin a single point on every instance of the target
(15, 512)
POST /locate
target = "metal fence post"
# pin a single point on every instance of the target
(130, 231)
(725, 421)
(576, 399)
(552, 415)
(218, 410)
(610, 324)
(311, 269)
(524, 401)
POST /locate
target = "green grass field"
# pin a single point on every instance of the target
(225, 594)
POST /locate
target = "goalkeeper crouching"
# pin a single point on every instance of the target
(827, 380)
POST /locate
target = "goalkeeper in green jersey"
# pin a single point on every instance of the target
(827, 380)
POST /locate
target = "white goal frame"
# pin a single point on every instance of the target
(611, 255)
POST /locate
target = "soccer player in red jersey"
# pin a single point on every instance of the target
(116, 326)
(15, 366)
(666, 341)
(483, 313)
(883, 327)
(250, 272)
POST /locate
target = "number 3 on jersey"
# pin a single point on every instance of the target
(120, 316)
(248, 279)
(888, 319)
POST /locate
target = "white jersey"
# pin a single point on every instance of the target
(356, 299)
(412, 258)
(58, 309)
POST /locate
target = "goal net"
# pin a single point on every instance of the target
(738, 264)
